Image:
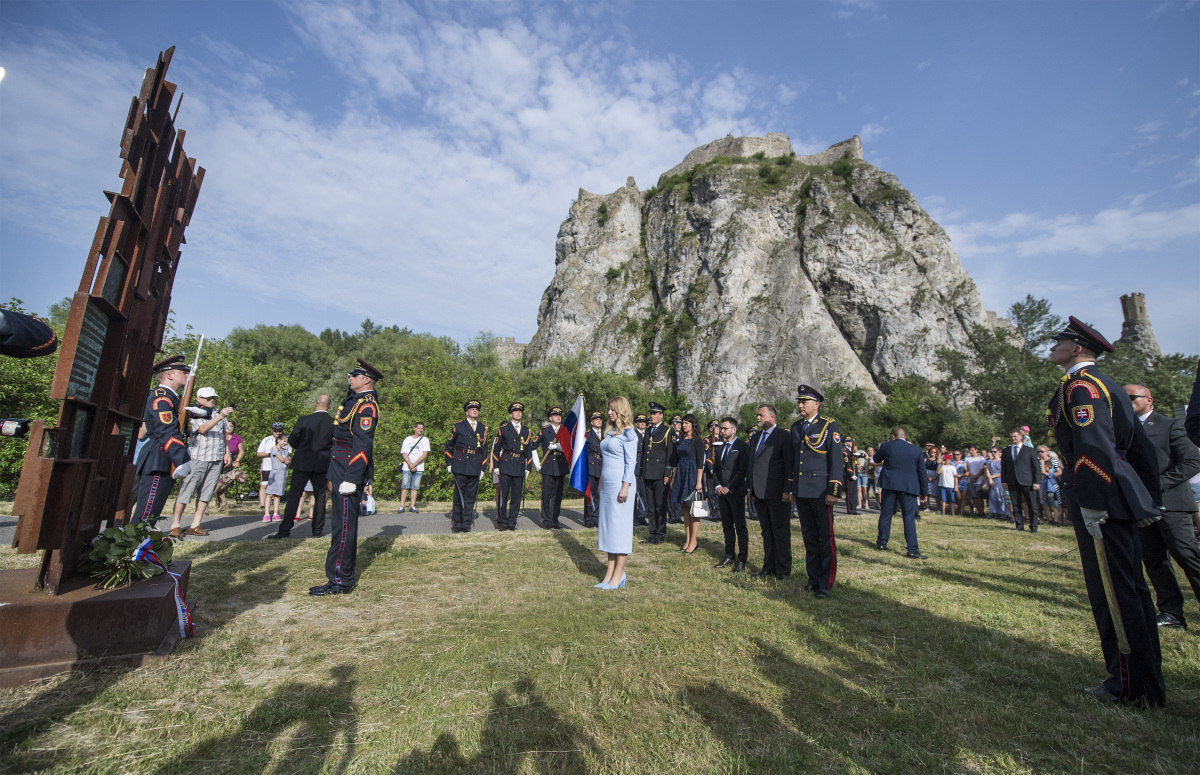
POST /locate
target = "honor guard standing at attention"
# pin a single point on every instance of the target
(591, 511)
(555, 468)
(675, 510)
(817, 483)
(639, 508)
(1110, 487)
(656, 450)
(466, 452)
(512, 452)
(165, 448)
(351, 465)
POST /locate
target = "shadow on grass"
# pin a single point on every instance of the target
(302, 726)
(521, 733)
(584, 558)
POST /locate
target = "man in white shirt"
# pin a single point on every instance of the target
(414, 449)
(975, 464)
(209, 449)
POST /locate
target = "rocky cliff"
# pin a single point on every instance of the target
(738, 277)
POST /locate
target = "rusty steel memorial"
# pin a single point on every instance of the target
(78, 476)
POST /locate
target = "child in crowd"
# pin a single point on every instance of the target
(280, 457)
(947, 479)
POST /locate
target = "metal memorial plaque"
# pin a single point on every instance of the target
(87, 354)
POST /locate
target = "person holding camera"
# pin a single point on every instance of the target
(209, 447)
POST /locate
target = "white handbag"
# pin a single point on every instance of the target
(700, 509)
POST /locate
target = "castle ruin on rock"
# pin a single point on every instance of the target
(747, 270)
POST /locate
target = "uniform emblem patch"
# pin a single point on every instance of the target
(165, 417)
(365, 423)
(837, 438)
(1083, 415)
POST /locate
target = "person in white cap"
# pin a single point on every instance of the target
(208, 445)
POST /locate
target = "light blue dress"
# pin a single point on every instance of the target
(619, 454)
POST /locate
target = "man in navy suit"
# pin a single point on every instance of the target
(901, 475)
(1021, 474)
(769, 475)
(729, 469)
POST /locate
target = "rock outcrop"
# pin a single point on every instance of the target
(741, 276)
(1136, 331)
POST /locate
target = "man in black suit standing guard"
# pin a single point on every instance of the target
(1172, 536)
(555, 468)
(165, 447)
(466, 452)
(1110, 488)
(1021, 474)
(655, 451)
(591, 511)
(901, 477)
(818, 479)
(770, 476)
(512, 451)
(351, 463)
(643, 499)
(312, 440)
(730, 462)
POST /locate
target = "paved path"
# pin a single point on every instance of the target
(243, 524)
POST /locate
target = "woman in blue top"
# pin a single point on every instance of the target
(688, 461)
(618, 450)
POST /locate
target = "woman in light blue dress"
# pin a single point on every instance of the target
(618, 450)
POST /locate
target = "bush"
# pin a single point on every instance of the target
(602, 214)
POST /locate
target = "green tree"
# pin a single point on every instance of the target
(1169, 377)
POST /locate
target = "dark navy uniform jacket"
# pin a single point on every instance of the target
(656, 450)
(466, 449)
(30, 337)
(1108, 461)
(165, 446)
(595, 458)
(354, 422)
(554, 462)
(513, 451)
(819, 461)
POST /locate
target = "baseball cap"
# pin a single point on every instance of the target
(206, 392)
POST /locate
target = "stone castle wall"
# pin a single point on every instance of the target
(509, 349)
(774, 144)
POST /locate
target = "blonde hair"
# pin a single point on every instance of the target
(620, 405)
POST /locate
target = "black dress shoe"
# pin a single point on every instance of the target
(881, 547)
(810, 586)
(917, 556)
(645, 541)
(821, 594)
(1100, 692)
(274, 537)
(762, 574)
(330, 589)
(1170, 620)
(724, 563)
(781, 576)
(739, 566)
(319, 535)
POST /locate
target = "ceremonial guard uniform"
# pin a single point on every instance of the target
(675, 510)
(591, 503)
(712, 447)
(818, 475)
(466, 450)
(351, 468)
(1110, 484)
(655, 451)
(512, 452)
(555, 468)
(165, 448)
(643, 500)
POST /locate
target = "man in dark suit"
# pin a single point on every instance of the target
(818, 480)
(591, 503)
(655, 451)
(1191, 421)
(512, 452)
(555, 468)
(1172, 536)
(770, 474)
(1110, 488)
(901, 477)
(466, 452)
(1022, 475)
(643, 499)
(730, 461)
(311, 440)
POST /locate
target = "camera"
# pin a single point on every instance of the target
(14, 427)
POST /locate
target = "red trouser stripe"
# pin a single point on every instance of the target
(337, 564)
(832, 552)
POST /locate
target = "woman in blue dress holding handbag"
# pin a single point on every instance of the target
(618, 450)
(688, 461)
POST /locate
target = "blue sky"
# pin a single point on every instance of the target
(412, 162)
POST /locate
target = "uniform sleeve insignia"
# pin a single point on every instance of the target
(365, 422)
(369, 408)
(837, 438)
(1086, 462)
(165, 417)
(1083, 415)
(1086, 385)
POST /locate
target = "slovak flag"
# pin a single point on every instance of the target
(572, 435)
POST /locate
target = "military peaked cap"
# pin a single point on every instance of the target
(516, 406)
(657, 407)
(676, 419)
(808, 391)
(472, 404)
(553, 411)
(174, 362)
(639, 418)
(367, 370)
(1081, 333)
(595, 416)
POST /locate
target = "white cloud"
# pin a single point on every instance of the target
(1189, 174)
(870, 132)
(923, 65)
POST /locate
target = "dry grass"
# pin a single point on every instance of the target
(491, 653)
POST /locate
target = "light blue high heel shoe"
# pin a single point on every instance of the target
(611, 587)
(601, 585)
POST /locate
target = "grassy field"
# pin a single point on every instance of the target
(491, 653)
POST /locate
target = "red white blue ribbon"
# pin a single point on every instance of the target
(145, 553)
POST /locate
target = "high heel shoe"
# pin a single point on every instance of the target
(601, 585)
(611, 587)
(691, 552)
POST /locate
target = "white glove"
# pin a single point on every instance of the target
(347, 488)
(182, 471)
(448, 470)
(1093, 519)
(554, 445)
(1149, 520)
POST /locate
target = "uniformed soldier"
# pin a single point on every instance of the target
(675, 510)
(591, 511)
(654, 453)
(712, 447)
(640, 504)
(555, 468)
(512, 452)
(1110, 487)
(817, 483)
(165, 453)
(466, 452)
(351, 469)
(24, 336)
